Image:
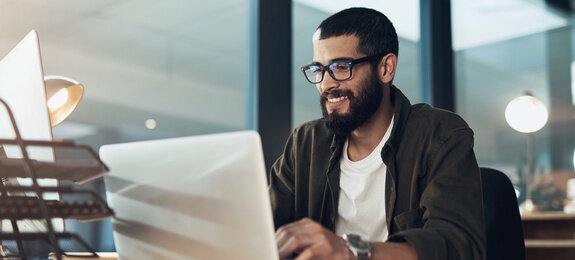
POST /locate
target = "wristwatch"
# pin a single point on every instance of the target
(361, 249)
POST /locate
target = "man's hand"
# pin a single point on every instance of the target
(311, 240)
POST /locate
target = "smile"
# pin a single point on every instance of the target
(337, 99)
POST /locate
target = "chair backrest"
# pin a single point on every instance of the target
(504, 230)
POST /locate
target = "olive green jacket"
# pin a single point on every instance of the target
(433, 186)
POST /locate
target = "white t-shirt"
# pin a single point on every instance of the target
(362, 194)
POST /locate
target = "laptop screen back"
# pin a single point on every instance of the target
(199, 197)
(22, 87)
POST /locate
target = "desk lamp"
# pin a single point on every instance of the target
(62, 96)
(527, 114)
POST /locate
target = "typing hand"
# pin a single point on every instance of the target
(311, 240)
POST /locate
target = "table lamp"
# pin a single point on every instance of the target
(527, 114)
(62, 96)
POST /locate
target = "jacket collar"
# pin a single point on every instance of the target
(402, 108)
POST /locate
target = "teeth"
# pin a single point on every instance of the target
(333, 100)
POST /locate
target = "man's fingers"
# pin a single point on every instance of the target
(287, 248)
(295, 237)
(299, 228)
(297, 241)
(305, 254)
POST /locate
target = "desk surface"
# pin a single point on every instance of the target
(549, 235)
(548, 215)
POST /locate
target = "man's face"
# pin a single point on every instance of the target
(346, 105)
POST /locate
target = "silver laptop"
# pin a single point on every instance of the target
(198, 197)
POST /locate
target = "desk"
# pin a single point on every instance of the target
(549, 235)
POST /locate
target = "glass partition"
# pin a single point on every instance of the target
(502, 53)
(151, 69)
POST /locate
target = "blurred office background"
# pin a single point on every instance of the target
(159, 69)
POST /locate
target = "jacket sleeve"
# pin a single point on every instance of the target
(281, 186)
(451, 205)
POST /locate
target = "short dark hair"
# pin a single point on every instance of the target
(375, 32)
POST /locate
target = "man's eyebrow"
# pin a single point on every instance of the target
(341, 59)
(334, 60)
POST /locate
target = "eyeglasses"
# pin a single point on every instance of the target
(338, 69)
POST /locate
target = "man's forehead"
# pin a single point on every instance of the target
(316, 38)
(334, 47)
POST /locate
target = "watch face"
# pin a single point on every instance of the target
(357, 245)
(362, 244)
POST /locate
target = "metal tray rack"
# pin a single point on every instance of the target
(19, 202)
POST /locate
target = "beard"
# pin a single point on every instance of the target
(361, 107)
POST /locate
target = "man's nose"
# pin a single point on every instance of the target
(328, 83)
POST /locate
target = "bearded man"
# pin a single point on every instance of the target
(376, 177)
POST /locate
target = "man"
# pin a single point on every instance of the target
(376, 177)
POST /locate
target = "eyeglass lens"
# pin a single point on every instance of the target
(340, 70)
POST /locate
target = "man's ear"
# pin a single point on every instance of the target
(386, 68)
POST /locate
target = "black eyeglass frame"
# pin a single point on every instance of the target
(350, 64)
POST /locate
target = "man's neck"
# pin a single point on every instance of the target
(364, 139)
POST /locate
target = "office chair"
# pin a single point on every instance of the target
(504, 231)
